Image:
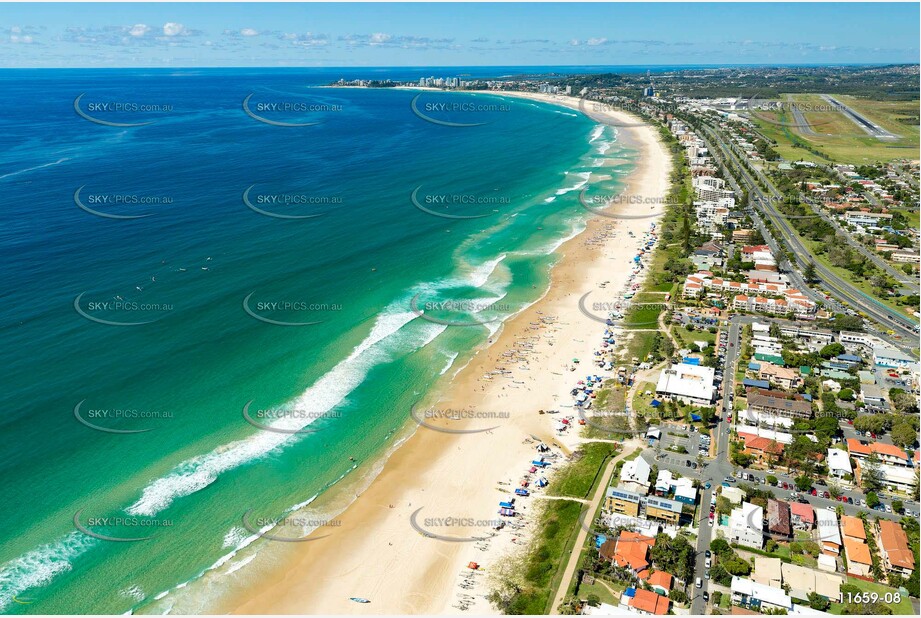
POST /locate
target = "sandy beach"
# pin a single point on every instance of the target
(376, 552)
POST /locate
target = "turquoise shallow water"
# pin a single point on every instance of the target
(197, 358)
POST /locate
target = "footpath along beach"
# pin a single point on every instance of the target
(375, 552)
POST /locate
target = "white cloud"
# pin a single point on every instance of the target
(597, 41)
(379, 38)
(138, 30)
(172, 28)
(249, 32)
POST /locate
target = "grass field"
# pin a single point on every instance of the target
(577, 478)
(688, 338)
(600, 591)
(837, 136)
(902, 608)
(554, 538)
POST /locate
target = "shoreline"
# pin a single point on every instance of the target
(375, 552)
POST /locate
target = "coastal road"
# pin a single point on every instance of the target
(836, 285)
(907, 281)
(910, 283)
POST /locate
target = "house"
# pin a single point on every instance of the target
(894, 478)
(829, 537)
(745, 525)
(708, 255)
(629, 550)
(683, 488)
(893, 546)
(852, 527)
(648, 602)
(872, 396)
(634, 476)
(783, 377)
(733, 494)
(839, 464)
(779, 518)
(890, 357)
(858, 557)
(802, 580)
(802, 516)
(663, 509)
(661, 582)
(887, 453)
(691, 384)
(763, 449)
(758, 597)
(778, 406)
(867, 219)
(622, 502)
(767, 571)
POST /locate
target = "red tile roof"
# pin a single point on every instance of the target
(759, 443)
(894, 542)
(631, 550)
(804, 511)
(661, 579)
(853, 527)
(650, 602)
(880, 448)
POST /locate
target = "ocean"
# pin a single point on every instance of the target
(217, 315)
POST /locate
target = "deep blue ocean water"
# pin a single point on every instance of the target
(104, 226)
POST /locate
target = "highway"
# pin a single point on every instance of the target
(908, 282)
(838, 287)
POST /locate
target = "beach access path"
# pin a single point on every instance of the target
(573, 563)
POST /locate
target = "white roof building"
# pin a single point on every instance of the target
(635, 475)
(733, 494)
(826, 524)
(745, 525)
(890, 357)
(747, 592)
(839, 463)
(688, 383)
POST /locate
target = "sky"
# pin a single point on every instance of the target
(434, 34)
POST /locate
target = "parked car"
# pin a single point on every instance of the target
(707, 553)
(699, 583)
(706, 596)
(707, 563)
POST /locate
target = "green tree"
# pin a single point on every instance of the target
(817, 601)
(803, 482)
(872, 499)
(831, 350)
(871, 475)
(809, 272)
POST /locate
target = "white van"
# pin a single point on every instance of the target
(698, 583)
